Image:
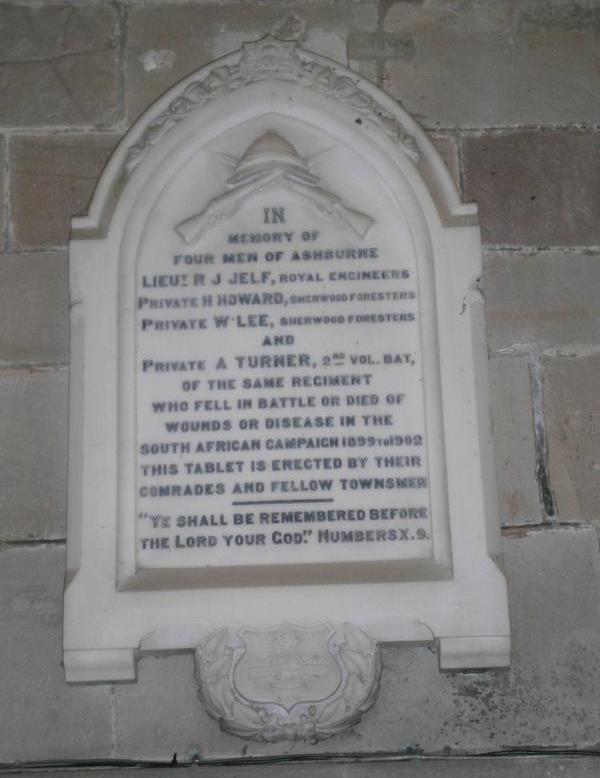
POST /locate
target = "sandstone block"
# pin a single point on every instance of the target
(494, 64)
(572, 415)
(548, 298)
(33, 455)
(59, 64)
(534, 188)
(179, 724)
(447, 147)
(367, 68)
(380, 46)
(3, 215)
(518, 494)
(545, 696)
(34, 307)
(42, 718)
(53, 179)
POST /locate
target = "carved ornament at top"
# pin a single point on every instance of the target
(270, 58)
(268, 161)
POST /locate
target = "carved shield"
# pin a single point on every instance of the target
(287, 665)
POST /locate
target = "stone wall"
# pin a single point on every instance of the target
(509, 91)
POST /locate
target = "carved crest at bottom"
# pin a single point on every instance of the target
(288, 682)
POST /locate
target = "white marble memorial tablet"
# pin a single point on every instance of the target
(279, 387)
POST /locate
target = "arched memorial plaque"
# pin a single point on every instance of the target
(279, 404)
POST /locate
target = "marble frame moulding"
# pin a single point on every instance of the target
(114, 608)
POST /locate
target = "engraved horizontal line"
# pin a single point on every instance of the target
(279, 502)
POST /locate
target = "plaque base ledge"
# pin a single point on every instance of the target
(468, 653)
(100, 666)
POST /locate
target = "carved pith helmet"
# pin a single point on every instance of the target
(271, 152)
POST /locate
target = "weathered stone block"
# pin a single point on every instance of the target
(34, 308)
(365, 67)
(33, 455)
(548, 298)
(42, 717)
(53, 178)
(166, 43)
(447, 147)
(179, 724)
(59, 64)
(3, 214)
(535, 188)
(518, 494)
(494, 64)
(380, 46)
(548, 696)
(572, 415)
